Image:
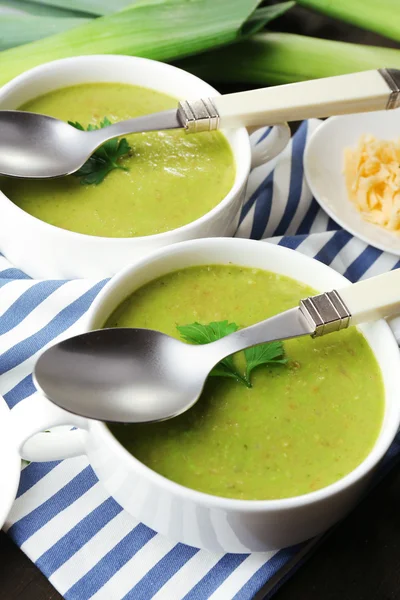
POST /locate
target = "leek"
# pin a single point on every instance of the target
(33, 8)
(264, 15)
(158, 29)
(18, 29)
(94, 7)
(21, 29)
(381, 16)
(277, 58)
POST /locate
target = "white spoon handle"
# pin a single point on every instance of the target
(373, 298)
(356, 92)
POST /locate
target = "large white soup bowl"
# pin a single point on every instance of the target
(45, 251)
(186, 515)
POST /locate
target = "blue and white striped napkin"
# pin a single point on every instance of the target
(63, 519)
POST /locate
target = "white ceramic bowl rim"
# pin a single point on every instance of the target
(381, 445)
(243, 141)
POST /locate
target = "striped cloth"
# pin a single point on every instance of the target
(63, 519)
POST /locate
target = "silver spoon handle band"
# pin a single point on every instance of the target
(392, 78)
(325, 313)
(367, 300)
(198, 115)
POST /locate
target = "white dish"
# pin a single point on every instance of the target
(45, 251)
(185, 515)
(323, 166)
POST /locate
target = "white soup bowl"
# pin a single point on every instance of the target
(185, 515)
(46, 251)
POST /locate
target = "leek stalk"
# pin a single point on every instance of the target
(159, 29)
(264, 15)
(33, 8)
(18, 28)
(93, 7)
(22, 29)
(277, 58)
(381, 16)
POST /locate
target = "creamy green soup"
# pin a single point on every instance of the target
(173, 178)
(299, 428)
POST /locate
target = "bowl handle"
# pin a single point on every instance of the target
(30, 419)
(271, 145)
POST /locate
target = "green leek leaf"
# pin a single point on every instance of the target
(381, 16)
(33, 8)
(278, 58)
(21, 29)
(158, 29)
(264, 15)
(94, 7)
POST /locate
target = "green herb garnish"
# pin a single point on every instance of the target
(104, 158)
(264, 354)
(196, 333)
(270, 353)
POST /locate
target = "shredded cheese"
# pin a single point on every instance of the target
(372, 174)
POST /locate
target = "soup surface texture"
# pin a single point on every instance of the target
(173, 178)
(299, 428)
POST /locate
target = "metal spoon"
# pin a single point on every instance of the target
(35, 146)
(138, 375)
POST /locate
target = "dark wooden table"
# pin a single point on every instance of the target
(360, 558)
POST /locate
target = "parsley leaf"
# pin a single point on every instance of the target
(262, 354)
(196, 333)
(104, 158)
(270, 353)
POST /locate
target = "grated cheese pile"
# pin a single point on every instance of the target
(372, 173)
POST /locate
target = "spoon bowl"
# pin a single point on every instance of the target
(123, 375)
(37, 146)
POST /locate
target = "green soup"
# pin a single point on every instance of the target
(299, 428)
(173, 178)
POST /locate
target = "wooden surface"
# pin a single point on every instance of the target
(360, 559)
